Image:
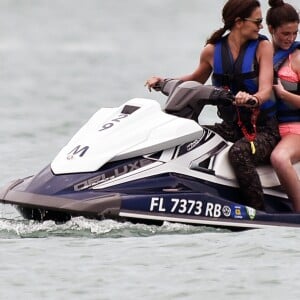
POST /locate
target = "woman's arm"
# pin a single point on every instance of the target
(265, 80)
(201, 74)
(204, 68)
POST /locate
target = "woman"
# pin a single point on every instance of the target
(242, 62)
(283, 23)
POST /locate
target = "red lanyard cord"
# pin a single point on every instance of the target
(249, 136)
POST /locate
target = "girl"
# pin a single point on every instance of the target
(283, 23)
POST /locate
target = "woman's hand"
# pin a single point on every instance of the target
(279, 89)
(246, 99)
(152, 82)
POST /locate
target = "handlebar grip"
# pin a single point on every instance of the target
(251, 102)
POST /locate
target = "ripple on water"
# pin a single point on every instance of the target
(82, 227)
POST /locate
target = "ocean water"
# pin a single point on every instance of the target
(60, 61)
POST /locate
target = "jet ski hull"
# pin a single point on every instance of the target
(204, 208)
(138, 163)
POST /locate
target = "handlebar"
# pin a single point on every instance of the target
(187, 98)
(251, 102)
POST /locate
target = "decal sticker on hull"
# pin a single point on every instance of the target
(113, 122)
(226, 211)
(186, 207)
(243, 212)
(237, 212)
(78, 150)
(251, 212)
(112, 173)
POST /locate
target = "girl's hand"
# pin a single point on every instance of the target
(279, 89)
(152, 81)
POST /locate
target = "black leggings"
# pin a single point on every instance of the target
(244, 162)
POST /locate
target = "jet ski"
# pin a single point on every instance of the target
(140, 162)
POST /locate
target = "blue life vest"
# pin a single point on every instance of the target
(286, 112)
(239, 75)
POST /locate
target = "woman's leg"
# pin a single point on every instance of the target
(244, 164)
(283, 156)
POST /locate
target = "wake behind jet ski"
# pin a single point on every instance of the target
(140, 163)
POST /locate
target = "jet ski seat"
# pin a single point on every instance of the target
(267, 175)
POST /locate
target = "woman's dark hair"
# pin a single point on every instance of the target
(232, 10)
(281, 13)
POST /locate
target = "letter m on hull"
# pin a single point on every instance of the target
(78, 150)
